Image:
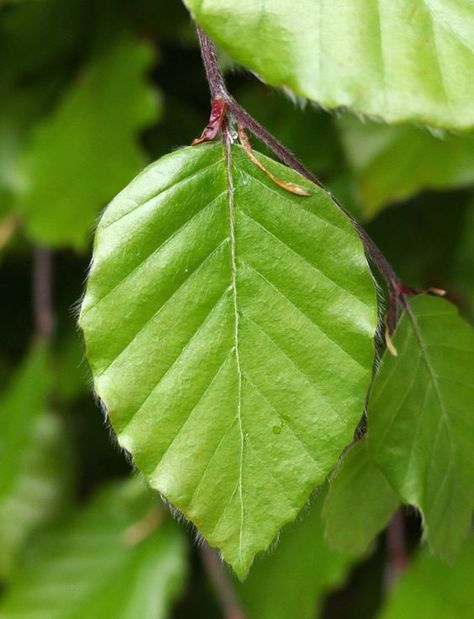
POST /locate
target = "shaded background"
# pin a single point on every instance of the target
(89, 93)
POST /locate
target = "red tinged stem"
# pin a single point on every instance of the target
(221, 584)
(43, 312)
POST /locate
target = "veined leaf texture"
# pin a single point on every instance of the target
(421, 426)
(229, 325)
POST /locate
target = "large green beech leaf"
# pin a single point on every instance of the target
(115, 558)
(421, 424)
(401, 60)
(358, 488)
(393, 163)
(433, 588)
(292, 580)
(33, 471)
(229, 327)
(88, 148)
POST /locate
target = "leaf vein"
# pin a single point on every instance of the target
(303, 314)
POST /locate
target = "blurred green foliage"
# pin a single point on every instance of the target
(90, 92)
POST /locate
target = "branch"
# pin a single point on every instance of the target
(221, 584)
(219, 90)
(397, 554)
(43, 312)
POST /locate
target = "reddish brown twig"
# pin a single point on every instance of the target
(221, 584)
(43, 312)
(397, 554)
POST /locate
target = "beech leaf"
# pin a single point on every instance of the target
(421, 424)
(229, 327)
(359, 502)
(390, 164)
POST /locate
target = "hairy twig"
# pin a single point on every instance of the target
(43, 312)
(221, 583)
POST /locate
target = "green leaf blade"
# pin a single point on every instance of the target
(359, 502)
(420, 429)
(83, 153)
(209, 373)
(401, 61)
(391, 164)
(114, 558)
(34, 472)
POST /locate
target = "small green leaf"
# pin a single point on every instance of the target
(229, 327)
(421, 429)
(403, 60)
(359, 503)
(113, 559)
(34, 470)
(292, 580)
(432, 588)
(394, 163)
(88, 148)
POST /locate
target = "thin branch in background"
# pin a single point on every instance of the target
(221, 584)
(397, 553)
(43, 312)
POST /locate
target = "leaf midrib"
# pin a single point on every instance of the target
(444, 414)
(431, 372)
(233, 252)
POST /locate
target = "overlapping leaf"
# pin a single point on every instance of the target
(229, 328)
(81, 156)
(421, 422)
(116, 558)
(394, 163)
(403, 60)
(33, 472)
(292, 580)
(359, 503)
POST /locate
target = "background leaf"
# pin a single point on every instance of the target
(87, 150)
(273, 591)
(34, 471)
(391, 164)
(233, 388)
(359, 502)
(402, 60)
(432, 588)
(114, 559)
(420, 419)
